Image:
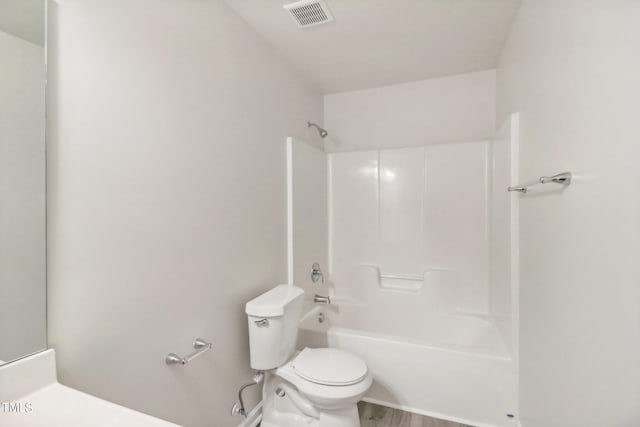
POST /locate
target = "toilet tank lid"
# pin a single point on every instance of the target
(273, 302)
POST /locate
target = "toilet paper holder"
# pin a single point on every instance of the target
(199, 344)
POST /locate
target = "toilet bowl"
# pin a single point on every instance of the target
(315, 387)
(318, 387)
(328, 377)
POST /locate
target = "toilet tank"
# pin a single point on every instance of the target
(273, 326)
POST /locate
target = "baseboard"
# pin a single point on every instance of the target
(254, 417)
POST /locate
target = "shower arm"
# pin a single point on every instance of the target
(323, 132)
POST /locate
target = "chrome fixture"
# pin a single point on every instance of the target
(322, 300)
(522, 190)
(323, 133)
(262, 323)
(199, 344)
(316, 273)
(238, 407)
(563, 178)
(321, 317)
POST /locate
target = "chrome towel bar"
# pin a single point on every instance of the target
(563, 178)
(522, 190)
(199, 344)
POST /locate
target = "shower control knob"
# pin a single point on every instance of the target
(316, 273)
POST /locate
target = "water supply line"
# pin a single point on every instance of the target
(238, 407)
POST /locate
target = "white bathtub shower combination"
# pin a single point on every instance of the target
(419, 286)
(456, 368)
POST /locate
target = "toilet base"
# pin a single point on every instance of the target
(341, 418)
(280, 410)
(347, 417)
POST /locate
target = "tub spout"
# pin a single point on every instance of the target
(322, 300)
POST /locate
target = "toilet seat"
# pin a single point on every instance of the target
(324, 395)
(329, 366)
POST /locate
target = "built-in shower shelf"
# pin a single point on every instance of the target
(401, 282)
(445, 280)
(413, 277)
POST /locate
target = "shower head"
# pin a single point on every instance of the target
(323, 133)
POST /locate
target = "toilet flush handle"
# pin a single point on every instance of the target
(262, 323)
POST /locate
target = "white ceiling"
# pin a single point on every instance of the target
(379, 42)
(24, 19)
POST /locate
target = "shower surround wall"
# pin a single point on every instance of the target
(410, 269)
(412, 221)
(167, 197)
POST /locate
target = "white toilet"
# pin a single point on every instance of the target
(316, 387)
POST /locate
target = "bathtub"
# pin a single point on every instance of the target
(448, 366)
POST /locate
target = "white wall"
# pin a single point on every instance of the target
(571, 68)
(167, 203)
(417, 212)
(22, 199)
(310, 223)
(459, 108)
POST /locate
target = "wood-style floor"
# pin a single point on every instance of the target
(380, 416)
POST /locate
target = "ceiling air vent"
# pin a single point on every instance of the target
(308, 13)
